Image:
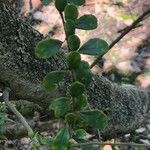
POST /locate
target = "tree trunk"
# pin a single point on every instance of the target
(124, 105)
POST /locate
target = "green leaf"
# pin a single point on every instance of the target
(94, 118)
(77, 2)
(73, 42)
(86, 22)
(94, 46)
(77, 89)
(71, 12)
(51, 80)
(70, 118)
(83, 73)
(61, 141)
(73, 60)
(60, 106)
(46, 2)
(60, 5)
(41, 140)
(47, 48)
(80, 134)
(69, 27)
(81, 102)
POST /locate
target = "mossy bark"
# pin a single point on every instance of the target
(125, 105)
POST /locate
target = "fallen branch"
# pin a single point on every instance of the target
(14, 110)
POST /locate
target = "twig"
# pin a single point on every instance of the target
(112, 144)
(14, 110)
(62, 18)
(132, 26)
(126, 28)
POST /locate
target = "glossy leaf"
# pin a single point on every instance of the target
(94, 46)
(87, 22)
(47, 48)
(94, 118)
(51, 80)
(61, 141)
(77, 2)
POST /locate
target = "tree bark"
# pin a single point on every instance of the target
(125, 105)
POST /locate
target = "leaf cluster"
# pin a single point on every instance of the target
(74, 107)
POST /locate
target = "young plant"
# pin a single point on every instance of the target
(73, 108)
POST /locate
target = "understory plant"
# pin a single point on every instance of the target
(73, 108)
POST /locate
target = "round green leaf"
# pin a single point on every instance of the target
(83, 73)
(74, 42)
(94, 118)
(94, 46)
(81, 102)
(76, 89)
(47, 48)
(60, 106)
(77, 2)
(60, 5)
(73, 59)
(80, 134)
(61, 141)
(86, 22)
(51, 80)
(71, 12)
(69, 27)
(70, 118)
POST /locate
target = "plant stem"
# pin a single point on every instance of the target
(63, 21)
(72, 71)
(14, 110)
(62, 18)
